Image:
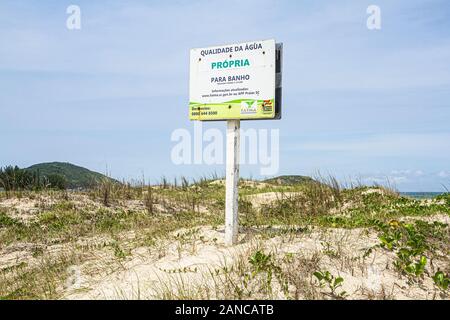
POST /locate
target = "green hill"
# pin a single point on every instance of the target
(76, 177)
(290, 180)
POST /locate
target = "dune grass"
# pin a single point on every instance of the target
(151, 213)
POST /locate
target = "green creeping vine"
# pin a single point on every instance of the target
(413, 243)
(263, 263)
(441, 280)
(326, 278)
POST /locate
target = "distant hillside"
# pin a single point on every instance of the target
(77, 177)
(289, 180)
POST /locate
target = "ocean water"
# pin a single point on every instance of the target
(421, 195)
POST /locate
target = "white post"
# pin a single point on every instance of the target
(232, 179)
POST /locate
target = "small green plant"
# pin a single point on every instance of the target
(118, 251)
(389, 240)
(329, 250)
(6, 221)
(180, 270)
(260, 262)
(408, 264)
(441, 280)
(264, 263)
(288, 257)
(333, 283)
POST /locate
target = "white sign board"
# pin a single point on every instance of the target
(235, 81)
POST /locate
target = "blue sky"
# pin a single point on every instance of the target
(357, 103)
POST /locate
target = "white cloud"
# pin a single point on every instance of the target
(444, 174)
(385, 180)
(415, 173)
(418, 173)
(401, 172)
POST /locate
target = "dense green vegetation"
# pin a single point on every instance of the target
(15, 179)
(415, 245)
(76, 177)
(289, 180)
(54, 175)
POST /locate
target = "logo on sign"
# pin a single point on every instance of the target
(249, 107)
(267, 106)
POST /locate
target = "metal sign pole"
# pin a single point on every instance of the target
(232, 179)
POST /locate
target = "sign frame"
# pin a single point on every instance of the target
(203, 109)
